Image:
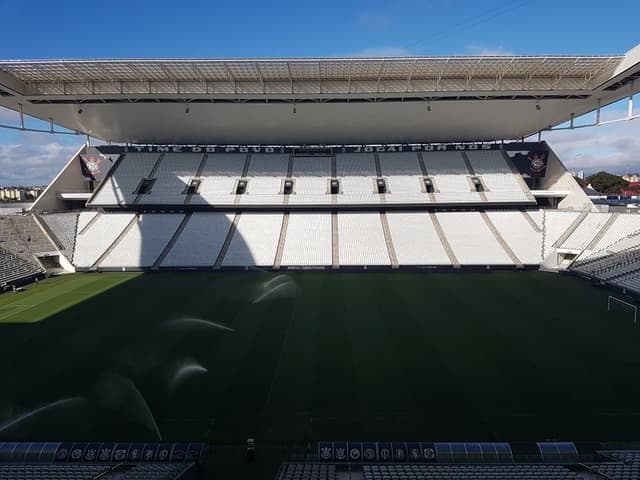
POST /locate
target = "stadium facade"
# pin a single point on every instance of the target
(318, 163)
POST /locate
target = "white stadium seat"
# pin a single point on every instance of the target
(201, 240)
(84, 219)
(521, 237)
(265, 176)
(502, 185)
(357, 174)
(308, 240)
(471, 240)
(451, 177)
(99, 236)
(172, 179)
(119, 188)
(263, 190)
(218, 179)
(361, 239)
(415, 239)
(586, 231)
(623, 225)
(255, 241)
(355, 165)
(404, 176)
(556, 223)
(311, 180)
(144, 242)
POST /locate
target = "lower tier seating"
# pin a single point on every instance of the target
(14, 268)
(304, 239)
(470, 472)
(346, 239)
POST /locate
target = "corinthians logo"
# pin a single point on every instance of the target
(537, 161)
(93, 164)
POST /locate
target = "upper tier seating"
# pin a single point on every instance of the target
(311, 176)
(218, 179)
(265, 176)
(172, 179)
(502, 184)
(119, 188)
(166, 179)
(404, 175)
(357, 173)
(451, 178)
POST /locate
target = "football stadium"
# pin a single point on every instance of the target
(319, 268)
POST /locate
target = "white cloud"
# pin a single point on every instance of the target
(615, 147)
(33, 162)
(380, 52)
(486, 51)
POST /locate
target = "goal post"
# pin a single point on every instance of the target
(617, 301)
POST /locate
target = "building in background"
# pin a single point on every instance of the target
(20, 194)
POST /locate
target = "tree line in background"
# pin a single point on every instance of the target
(604, 182)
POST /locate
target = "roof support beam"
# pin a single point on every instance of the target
(411, 73)
(231, 78)
(290, 77)
(12, 85)
(264, 90)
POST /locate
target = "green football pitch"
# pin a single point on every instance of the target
(219, 357)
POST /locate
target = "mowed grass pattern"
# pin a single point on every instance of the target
(55, 295)
(308, 356)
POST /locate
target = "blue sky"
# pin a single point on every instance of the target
(114, 29)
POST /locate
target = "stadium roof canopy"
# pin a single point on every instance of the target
(317, 100)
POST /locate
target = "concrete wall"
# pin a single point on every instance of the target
(558, 178)
(70, 179)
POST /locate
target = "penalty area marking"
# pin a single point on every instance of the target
(627, 304)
